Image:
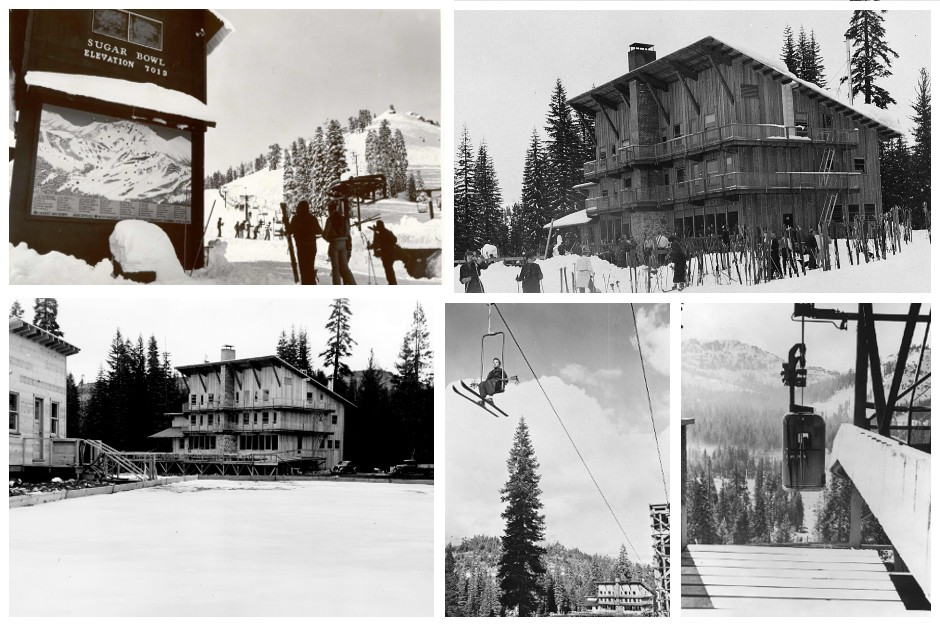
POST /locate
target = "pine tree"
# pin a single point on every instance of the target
(811, 67)
(871, 57)
(303, 351)
(371, 151)
(535, 208)
(399, 162)
(412, 188)
(451, 606)
(288, 177)
(788, 53)
(340, 342)
(802, 54)
(920, 167)
(16, 309)
(72, 408)
(565, 150)
(415, 359)
(274, 156)
(335, 151)
(318, 179)
(701, 513)
(760, 524)
(898, 184)
(487, 199)
(520, 563)
(465, 218)
(45, 316)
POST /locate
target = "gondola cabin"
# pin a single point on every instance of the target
(804, 451)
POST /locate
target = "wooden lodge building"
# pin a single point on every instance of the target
(37, 397)
(253, 412)
(712, 136)
(620, 597)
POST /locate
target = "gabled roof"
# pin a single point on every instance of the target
(42, 337)
(707, 52)
(260, 361)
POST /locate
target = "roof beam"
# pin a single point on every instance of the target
(681, 69)
(601, 103)
(721, 77)
(715, 54)
(584, 127)
(203, 382)
(652, 81)
(254, 370)
(688, 91)
(583, 110)
(276, 377)
(624, 91)
(644, 79)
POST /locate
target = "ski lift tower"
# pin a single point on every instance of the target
(659, 520)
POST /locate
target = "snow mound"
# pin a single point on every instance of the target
(140, 246)
(28, 267)
(413, 233)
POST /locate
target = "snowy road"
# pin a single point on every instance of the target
(232, 548)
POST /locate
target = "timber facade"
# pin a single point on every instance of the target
(620, 597)
(709, 137)
(256, 411)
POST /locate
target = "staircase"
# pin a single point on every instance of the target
(105, 461)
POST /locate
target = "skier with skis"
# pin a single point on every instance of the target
(495, 381)
(678, 272)
(304, 228)
(383, 245)
(336, 232)
(530, 275)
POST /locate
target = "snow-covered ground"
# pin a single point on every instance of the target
(228, 548)
(907, 271)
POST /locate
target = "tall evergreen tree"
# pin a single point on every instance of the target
(335, 151)
(871, 57)
(45, 315)
(398, 163)
(898, 187)
(788, 53)
(465, 218)
(487, 201)
(274, 156)
(415, 359)
(340, 342)
(920, 170)
(451, 582)
(16, 309)
(72, 408)
(811, 63)
(520, 564)
(535, 208)
(288, 180)
(565, 150)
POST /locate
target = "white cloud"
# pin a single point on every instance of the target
(579, 374)
(654, 335)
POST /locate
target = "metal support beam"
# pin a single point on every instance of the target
(900, 366)
(860, 418)
(874, 363)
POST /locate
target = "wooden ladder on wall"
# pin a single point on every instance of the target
(825, 218)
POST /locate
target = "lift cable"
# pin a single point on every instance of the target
(650, 402)
(565, 429)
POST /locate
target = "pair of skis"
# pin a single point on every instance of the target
(473, 396)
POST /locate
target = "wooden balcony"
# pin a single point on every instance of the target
(724, 184)
(731, 135)
(273, 402)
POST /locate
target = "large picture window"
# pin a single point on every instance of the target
(127, 26)
(14, 411)
(91, 166)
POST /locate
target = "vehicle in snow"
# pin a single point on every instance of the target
(343, 467)
(410, 468)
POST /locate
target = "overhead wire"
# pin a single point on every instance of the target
(567, 434)
(649, 400)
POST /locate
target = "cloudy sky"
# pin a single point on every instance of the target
(195, 328)
(768, 326)
(506, 62)
(585, 357)
(282, 73)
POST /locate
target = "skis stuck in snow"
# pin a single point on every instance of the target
(290, 242)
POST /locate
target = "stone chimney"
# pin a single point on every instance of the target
(639, 55)
(228, 353)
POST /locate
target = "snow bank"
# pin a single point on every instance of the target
(140, 246)
(228, 548)
(905, 272)
(28, 267)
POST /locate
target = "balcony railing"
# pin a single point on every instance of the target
(251, 404)
(723, 183)
(715, 136)
(238, 426)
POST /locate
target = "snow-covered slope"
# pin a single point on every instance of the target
(422, 139)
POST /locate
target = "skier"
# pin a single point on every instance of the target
(384, 244)
(238, 230)
(495, 381)
(304, 228)
(267, 232)
(336, 232)
(258, 228)
(219, 226)
(812, 247)
(776, 270)
(470, 273)
(585, 271)
(678, 272)
(530, 275)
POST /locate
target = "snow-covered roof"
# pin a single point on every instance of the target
(572, 219)
(224, 31)
(691, 56)
(146, 96)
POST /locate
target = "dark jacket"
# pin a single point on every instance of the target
(471, 270)
(383, 243)
(530, 276)
(304, 228)
(678, 259)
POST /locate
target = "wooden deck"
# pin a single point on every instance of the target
(720, 580)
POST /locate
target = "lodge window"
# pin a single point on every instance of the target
(192, 399)
(860, 165)
(202, 400)
(677, 130)
(602, 153)
(827, 121)
(211, 420)
(266, 395)
(202, 442)
(322, 443)
(211, 398)
(236, 397)
(336, 444)
(264, 417)
(245, 419)
(729, 164)
(603, 193)
(201, 418)
(628, 182)
(14, 411)
(275, 417)
(665, 177)
(192, 420)
(711, 119)
(801, 121)
(309, 396)
(749, 91)
(869, 211)
(711, 167)
(680, 174)
(127, 26)
(853, 212)
(257, 442)
(255, 418)
(335, 419)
